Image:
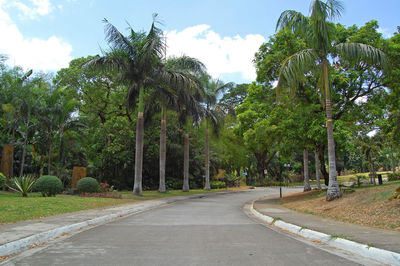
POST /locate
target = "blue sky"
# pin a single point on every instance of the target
(47, 34)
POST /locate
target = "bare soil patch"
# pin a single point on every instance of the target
(367, 206)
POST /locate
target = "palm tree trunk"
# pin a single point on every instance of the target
(207, 186)
(163, 151)
(317, 169)
(307, 186)
(137, 188)
(186, 164)
(333, 187)
(21, 171)
(393, 164)
(49, 159)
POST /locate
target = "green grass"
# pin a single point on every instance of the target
(353, 177)
(14, 207)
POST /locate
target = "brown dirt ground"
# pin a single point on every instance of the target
(369, 206)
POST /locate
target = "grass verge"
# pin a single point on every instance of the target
(368, 205)
(14, 207)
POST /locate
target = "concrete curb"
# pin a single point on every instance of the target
(377, 254)
(36, 239)
(27, 242)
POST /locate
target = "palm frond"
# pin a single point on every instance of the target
(132, 95)
(354, 52)
(297, 65)
(293, 20)
(333, 8)
(116, 39)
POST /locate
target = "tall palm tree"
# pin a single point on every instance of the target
(183, 98)
(318, 32)
(212, 89)
(138, 58)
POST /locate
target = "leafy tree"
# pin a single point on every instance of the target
(318, 32)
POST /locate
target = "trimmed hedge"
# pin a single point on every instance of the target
(88, 185)
(48, 185)
(217, 184)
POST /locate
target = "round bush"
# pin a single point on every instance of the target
(49, 185)
(88, 185)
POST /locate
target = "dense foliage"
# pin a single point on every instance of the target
(257, 132)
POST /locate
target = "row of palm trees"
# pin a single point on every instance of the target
(317, 59)
(181, 84)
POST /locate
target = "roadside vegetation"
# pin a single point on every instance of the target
(367, 205)
(325, 103)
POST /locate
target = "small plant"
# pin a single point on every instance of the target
(23, 184)
(3, 180)
(217, 184)
(49, 185)
(88, 185)
(104, 187)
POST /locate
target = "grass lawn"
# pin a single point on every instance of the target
(368, 205)
(14, 207)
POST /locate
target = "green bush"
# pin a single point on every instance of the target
(393, 176)
(217, 184)
(49, 185)
(88, 185)
(3, 180)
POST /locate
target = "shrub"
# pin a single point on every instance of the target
(23, 184)
(217, 184)
(88, 185)
(393, 176)
(398, 189)
(3, 180)
(49, 185)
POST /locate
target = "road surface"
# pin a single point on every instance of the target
(213, 230)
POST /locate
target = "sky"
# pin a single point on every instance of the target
(45, 35)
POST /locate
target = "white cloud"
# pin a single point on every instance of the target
(385, 32)
(33, 9)
(32, 53)
(220, 55)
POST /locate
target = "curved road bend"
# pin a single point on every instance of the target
(212, 230)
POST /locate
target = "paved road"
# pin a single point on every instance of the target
(212, 230)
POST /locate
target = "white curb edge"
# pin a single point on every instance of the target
(380, 255)
(27, 242)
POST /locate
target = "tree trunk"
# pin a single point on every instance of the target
(307, 186)
(49, 159)
(207, 185)
(137, 188)
(186, 165)
(317, 169)
(393, 164)
(333, 187)
(21, 171)
(321, 156)
(163, 151)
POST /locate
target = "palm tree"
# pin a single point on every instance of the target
(212, 89)
(182, 98)
(307, 186)
(319, 33)
(138, 58)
